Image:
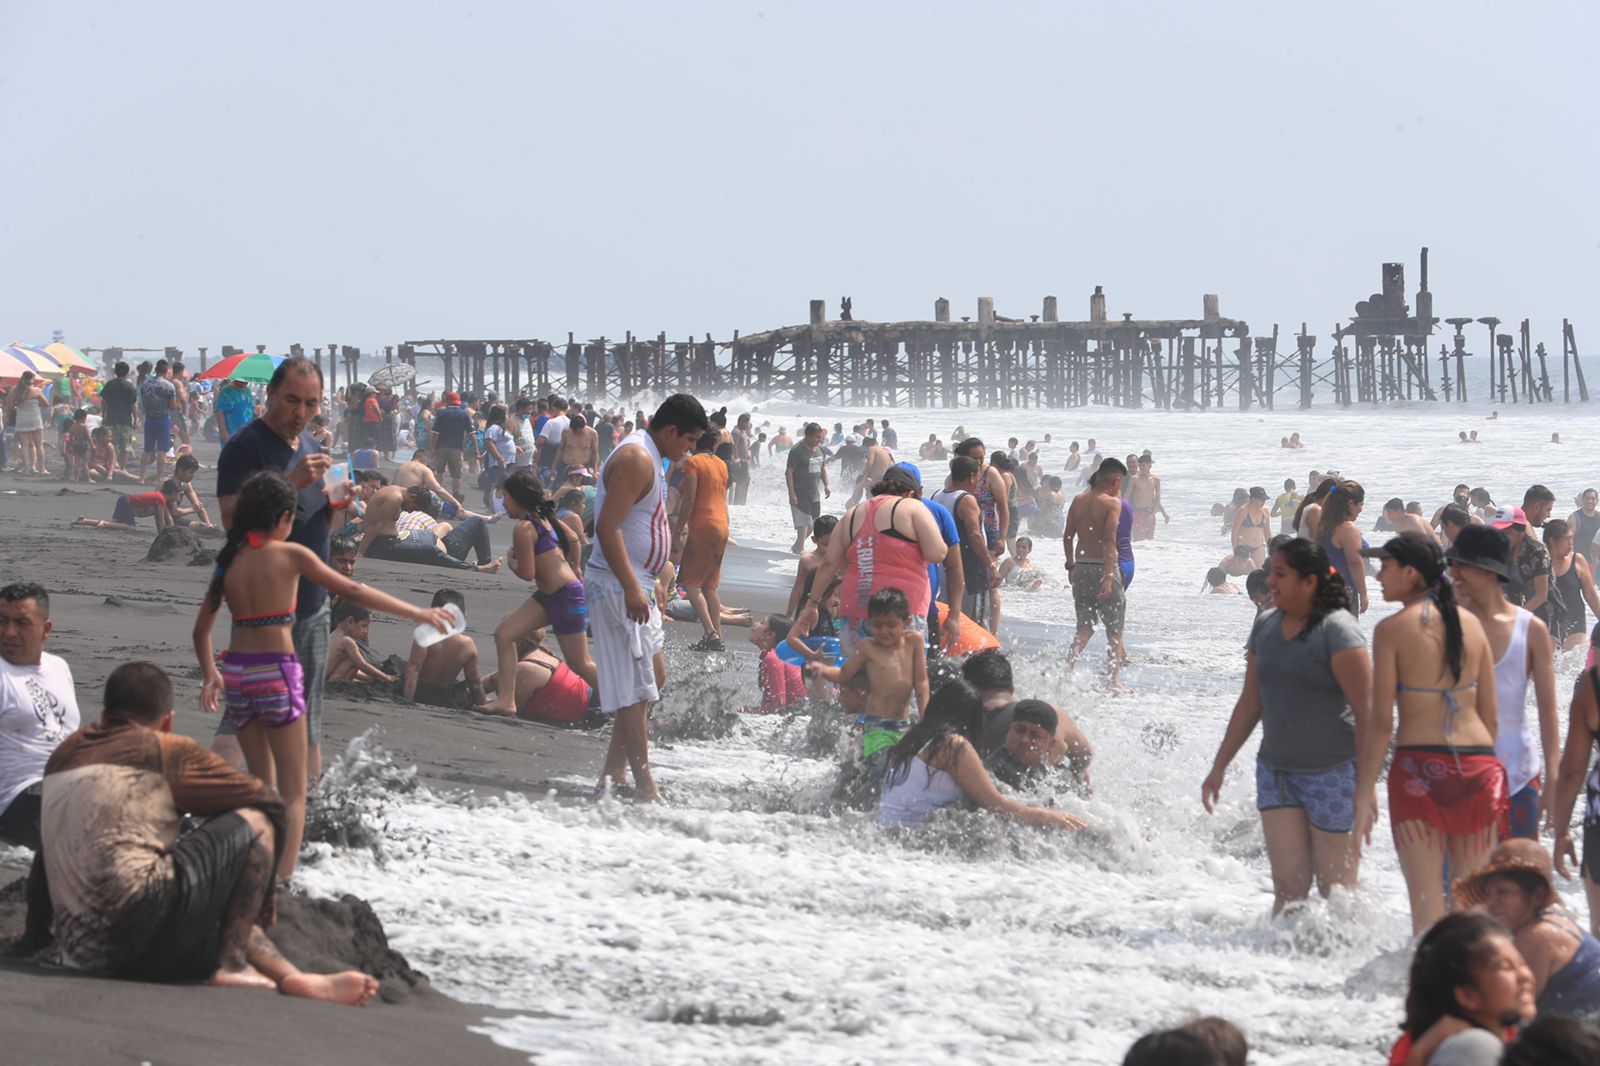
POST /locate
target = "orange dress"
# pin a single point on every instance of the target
(707, 535)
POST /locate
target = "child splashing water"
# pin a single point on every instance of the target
(257, 575)
(544, 553)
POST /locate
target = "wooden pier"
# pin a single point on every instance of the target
(1381, 355)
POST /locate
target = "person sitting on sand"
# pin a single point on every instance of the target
(132, 895)
(782, 684)
(936, 764)
(352, 626)
(895, 662)
(188, 510)
(130, 508)
(431, 672)
(104, 465)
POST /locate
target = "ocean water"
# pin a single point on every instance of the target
(745, 924)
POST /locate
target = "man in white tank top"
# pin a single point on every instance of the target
(1480, 564)
(632, 541)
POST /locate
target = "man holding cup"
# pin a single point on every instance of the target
(278, 440)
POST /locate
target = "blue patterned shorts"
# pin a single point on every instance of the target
(1327, 796)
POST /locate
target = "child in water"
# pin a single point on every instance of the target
(895, 662)
(257, 575)
(781, 683)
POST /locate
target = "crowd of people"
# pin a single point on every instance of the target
(892, 624)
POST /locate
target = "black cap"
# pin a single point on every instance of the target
(1038, 712)
(1412, 549)
(1258, 493)
(1484, 547)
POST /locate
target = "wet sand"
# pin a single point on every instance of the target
(109, 605)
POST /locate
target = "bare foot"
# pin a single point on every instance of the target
(495, 708)
(248, 977)
(491, 568)
(352, 988)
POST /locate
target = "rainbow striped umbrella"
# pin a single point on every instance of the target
(246, 366)
(11, 368)
(42, 365)
(70, 358)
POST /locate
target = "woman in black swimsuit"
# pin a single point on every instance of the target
(1574, 582)
(1252, 526)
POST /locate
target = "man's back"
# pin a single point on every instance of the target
(450, 425)
(113, 799)
(116, 402)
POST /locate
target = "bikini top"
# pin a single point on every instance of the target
(545, 539)
(261, 621)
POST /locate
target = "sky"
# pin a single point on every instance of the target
(194, 174)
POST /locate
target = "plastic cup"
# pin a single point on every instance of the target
(426, 635)
(336, 483)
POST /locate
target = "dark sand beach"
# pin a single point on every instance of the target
(110, 605)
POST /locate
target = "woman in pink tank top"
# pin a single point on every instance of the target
(887, 542)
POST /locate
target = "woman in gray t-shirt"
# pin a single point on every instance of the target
(1308, 681)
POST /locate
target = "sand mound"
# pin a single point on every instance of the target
(179, 544)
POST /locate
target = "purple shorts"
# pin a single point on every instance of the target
(568, 609)
(263, 686)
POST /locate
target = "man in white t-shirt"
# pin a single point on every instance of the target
(550, 434)
(38, 708)
(527, 444)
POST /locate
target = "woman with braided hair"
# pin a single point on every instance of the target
(1447, 790)
(258, 575)
(1308, 682)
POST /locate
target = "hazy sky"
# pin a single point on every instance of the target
(212, 173)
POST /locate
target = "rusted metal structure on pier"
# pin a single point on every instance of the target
(1380, 355)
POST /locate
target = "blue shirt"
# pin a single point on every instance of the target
(450, 426)
(952, 538)
(258, 447)
(238, 407)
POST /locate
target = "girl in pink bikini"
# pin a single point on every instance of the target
(257, 574)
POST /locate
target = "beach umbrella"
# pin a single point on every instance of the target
(392, 374)
(73, 360)
(11, 368)
(41, 364)
(246, 366)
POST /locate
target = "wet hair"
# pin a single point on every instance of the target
(1002, 462)
(1394, 503)
(1225, 1038)
(1112, 468)
(265, 497)
(1538, 494)
(1216, 577)
(823, 525)
(1481, 497)
(1554, 530)
(681, 412)
(1255, 583)
(1241, 496)
(989, 670)
(1337, 507)
(295, 364)
(1052, 483)
(341, 545)
(1309, 560)
(1288, 484)
(780, 624)
(186, 462)
(1552, 1040)
(1447, 958)
(1454, 516)
(1242, 551)
(82, 415)
(889, 601)
(954, 710)
(1278, 540)
(523, 487)
(350, 612)
(1172, 1047)
(1020, 541)
(1316, 495)
(966, 446)
(137, 692)
(444, 596)
(962, 468)
(18, 591)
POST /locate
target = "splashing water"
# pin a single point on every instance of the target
(753, 921)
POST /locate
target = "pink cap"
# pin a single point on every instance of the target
(1506, 517)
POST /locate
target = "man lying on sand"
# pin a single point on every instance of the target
(129, 895)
